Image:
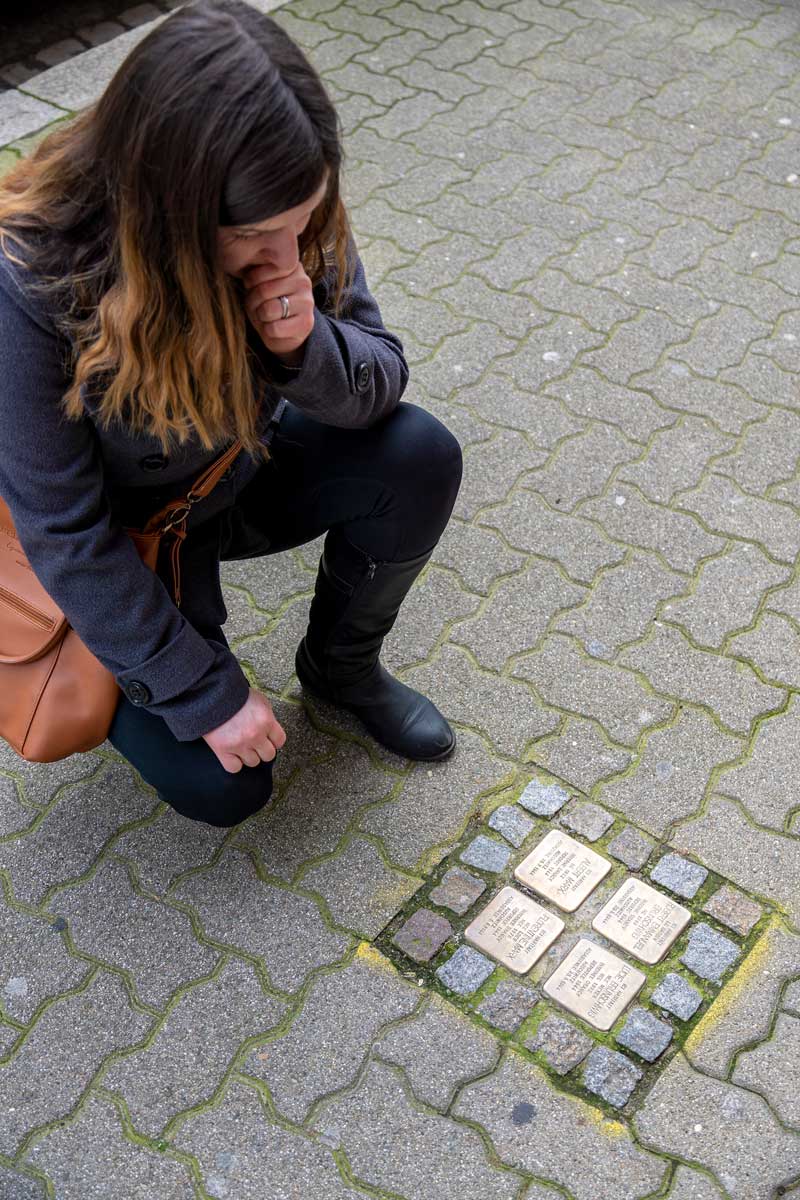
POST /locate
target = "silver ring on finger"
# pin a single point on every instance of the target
(284, 307)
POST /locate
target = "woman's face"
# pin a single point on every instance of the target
(271, 243)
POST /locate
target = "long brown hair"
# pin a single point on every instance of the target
(215, 118)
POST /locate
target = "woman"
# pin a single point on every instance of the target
(177, 271)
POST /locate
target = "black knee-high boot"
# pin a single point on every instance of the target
(355, 604)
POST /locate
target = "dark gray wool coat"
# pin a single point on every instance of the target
(71, 487)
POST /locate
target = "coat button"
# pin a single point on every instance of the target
(363, 376)
(137, 693)
(153, 462)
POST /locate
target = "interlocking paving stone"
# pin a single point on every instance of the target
(708, 953)
(588, 820)
(645, 1034)
(407, 1152)
(181, 1066)
(236, 1144)
(465, 971)
(435, 800)
(439, 1049)
(731, 689)
(628, 517)
(570, 679)
(512, 823)
(727, 594)
(556, 1136)
(773, 647)
(17, 1186)
(681, 876)
(35, 964)
(561, 1042)
(476, 554)
(671, 774)
(82, 1158)
(755, 859)
(610, 1075)
(341, 1014)
(759, 782)
(700, 1119)
(771, 1068)
(73, 833)
(39, 785)
(49, 1072)
(631, 847)
(423, 935)
(361, 892)
(487, 854)
(285, 930)
(734, 909)
(458, 890)
(431, 603)
(727, 509)
(580, 753)
(108, 920)
(677, 996)
(692, 1185)
(543, 799)
(164, 848)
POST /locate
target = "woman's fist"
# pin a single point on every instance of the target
(251, 736)
(283, 337)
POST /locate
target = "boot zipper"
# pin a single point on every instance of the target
(372, 568)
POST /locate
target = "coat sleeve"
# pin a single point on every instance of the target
(51, 477)
(353, 371)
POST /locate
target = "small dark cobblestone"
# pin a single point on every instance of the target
(508, 1005)
(543, 799)
(423, 934)
(610, 1075)
(587, 820)
(458, 890)
(645, 1034)
(732, 908)
(631, 847)
(677, 996)
(709, 954)
(561, 1042)
(486, 854)
(681, 876)
(512, 823)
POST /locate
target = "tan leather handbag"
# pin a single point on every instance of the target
(56, 698)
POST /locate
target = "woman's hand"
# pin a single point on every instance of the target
(251, 736)
(263, 287)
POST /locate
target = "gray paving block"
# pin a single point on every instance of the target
(21, 114)
(458, 890)
(486, 854)
(587, 820)
(681, 876)
(708, 953)
(610, 1075)
(508, 1005)
(677, 996)
(361, 892)
(19, 1186)
(645, 1034)
(543, 799)
(342, 1013)
(91, 1157)
(181, 1066)
(465, 971)
(556, 1136)
(49, 1072)
(233, 1142)
(512, 823)
(285, 930)
(561, 1042)
(439, 1049)
(770, 1069)
(35, 963)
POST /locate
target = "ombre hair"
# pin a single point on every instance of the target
(215, 118)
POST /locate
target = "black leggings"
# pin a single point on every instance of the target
(390, 488)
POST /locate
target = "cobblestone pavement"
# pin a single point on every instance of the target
(583, 219)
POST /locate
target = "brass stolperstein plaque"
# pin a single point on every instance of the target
(641, 920)
(514, 929)
(562, 870)
(594, 984)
